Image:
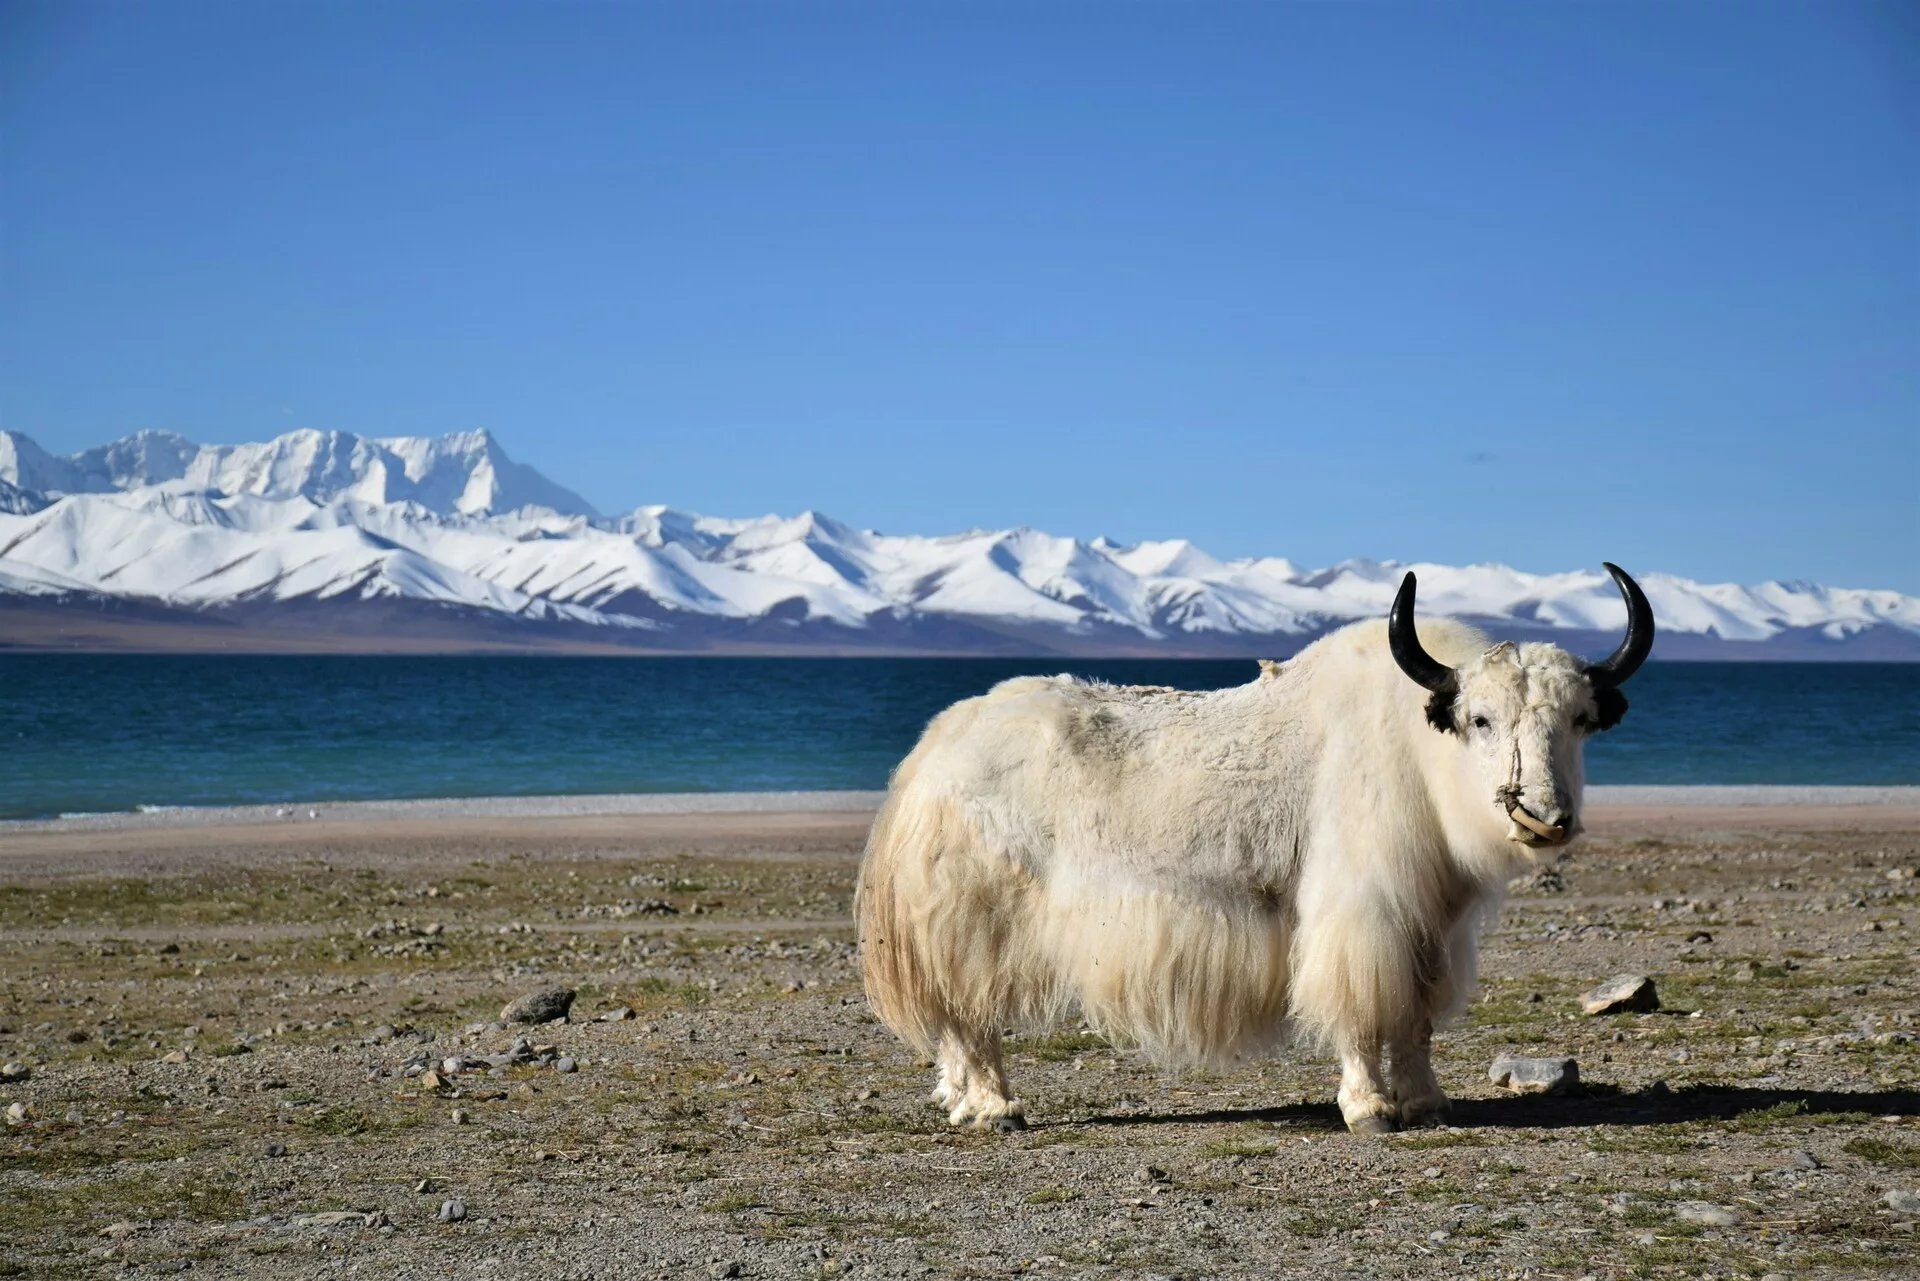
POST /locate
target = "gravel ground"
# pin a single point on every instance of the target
(229, 1030)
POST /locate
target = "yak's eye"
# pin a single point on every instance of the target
(1583, 721)
(1481, 722)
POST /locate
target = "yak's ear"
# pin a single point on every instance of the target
(1610, 705)
(1440, 709)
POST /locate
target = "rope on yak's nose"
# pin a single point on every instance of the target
(1507, 796)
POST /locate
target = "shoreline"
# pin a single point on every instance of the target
(1604, 799)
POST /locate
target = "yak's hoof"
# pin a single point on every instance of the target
(1010, 1122)
(1373, 1126)
(1425, 1119)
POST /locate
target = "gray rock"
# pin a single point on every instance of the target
(1623, 993)
(1802, 1160)
(1708, 1216)
(1535, 1076)
(543, 1006)
(620, 1015)
(13, 1072)
(1903, 1202)
(453, 1211)
(564, 1066)
(1149, 1174)
(276, 1150)
(720, 1269)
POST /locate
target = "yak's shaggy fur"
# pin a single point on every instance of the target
(1196, 873)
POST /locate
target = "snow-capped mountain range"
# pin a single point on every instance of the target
(326, 533)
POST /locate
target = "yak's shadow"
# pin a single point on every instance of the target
(1597, 1105)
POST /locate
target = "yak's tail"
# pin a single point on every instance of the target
(899, 985)
(945, 925)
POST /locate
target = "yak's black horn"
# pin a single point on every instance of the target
(1424, 669)
(1633, 651)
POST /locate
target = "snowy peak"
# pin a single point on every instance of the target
(453, 523)
(465, 473)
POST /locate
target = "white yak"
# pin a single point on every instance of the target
(1197, 873)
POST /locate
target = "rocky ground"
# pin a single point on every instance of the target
(241, 1068)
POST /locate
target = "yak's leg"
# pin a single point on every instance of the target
(1415, 1088)
(973, 1082)
(1366, 1097)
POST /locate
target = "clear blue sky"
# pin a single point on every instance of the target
(1535, 282)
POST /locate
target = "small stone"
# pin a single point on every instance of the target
(722, 1268)
(1149, 1174)
(1707, 1216)
(15, 1072)
(430, 1080)
(1535, 1076)
(1431, 1172)
(276, 1150)
(119, 1230)
(76, 1117)
(1699, 936)
(1438, 1235)
(1901, 1201)
(453, 1211)
(565, 1065)
(620, 1015)
(19, 1113)
(461, 1116)
(543, 1006)
(861, 1096)
(1803, 1160)
(176, 1056)
(453, 1066)
(1620, 994)
(425, 1186)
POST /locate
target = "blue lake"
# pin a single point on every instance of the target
(112, 732)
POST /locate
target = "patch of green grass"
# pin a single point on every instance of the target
(1063, 1047)
(1438, 1139)
(736, 1201)
(1051, 1196)
(1320, 1223)
(1764, 1119)
(1668, 1144)
(1900, 1156)
(352, 1122)
(1237, 1147)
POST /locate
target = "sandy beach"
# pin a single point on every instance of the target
(226, 1017)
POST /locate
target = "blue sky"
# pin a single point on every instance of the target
(1535, 283)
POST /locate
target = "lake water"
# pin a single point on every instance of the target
(82, 733)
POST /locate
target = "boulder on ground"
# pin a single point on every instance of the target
(1706, 1214)
(1535, 1076)
(1623, 993)
(543, 1006)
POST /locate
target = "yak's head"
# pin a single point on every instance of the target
(1524, 712)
